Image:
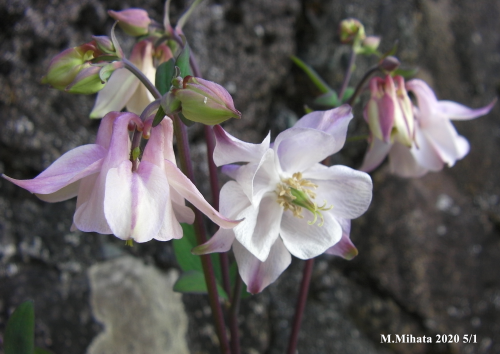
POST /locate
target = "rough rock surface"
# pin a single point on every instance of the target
(429, 248)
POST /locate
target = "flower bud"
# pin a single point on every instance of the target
(389, 111)
(105, 44)
(134, 22)
(87, 81)
(389, 63)
(205, 101)
(65, 66)
(351, 30)
(371, 43)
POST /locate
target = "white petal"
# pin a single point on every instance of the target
(376, 153)
(260, 227)
(457, 111)
(347, 190)
(220, 242)
(402, 162)
(65, 193)
(258, 275)
(229, 149)
(300, 148)
(114, 96)
(344, 248)
(306, 241)
(445, 141)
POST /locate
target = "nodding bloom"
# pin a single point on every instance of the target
(434, 142)
(132, 201)
(124, 89)
(291, 204)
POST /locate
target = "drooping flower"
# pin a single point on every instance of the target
(435, 142)
(114, 197)
(124, 89)
(291, 203)
(134, 22)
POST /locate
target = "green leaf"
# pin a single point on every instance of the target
(193, 281)
(164, 75)
(406, 73)
(329, 99)
(183, 61)
(19, 335)
(41, 351)
(348, 93)
(313, 75)
(182, 249)
(160, 114)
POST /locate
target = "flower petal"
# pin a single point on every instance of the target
(344, 248)
(347, 190)
(258, 275)
(334, 122)
(220, 242)
(306, 241)
(260, 227)
(135, 203)
(375, 154)
(457, 111)
(229, 149)
(427, 101)
(70, 167)
(404, 163)
(187, 189)
(65, 193)
(299, 148)
(114, 96)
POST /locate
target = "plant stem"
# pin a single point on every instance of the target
(301, 304)
(367, 75)
(233, 316)
(140, 75)
(187, 168)
(348, 73)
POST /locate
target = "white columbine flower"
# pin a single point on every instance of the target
(291, 204)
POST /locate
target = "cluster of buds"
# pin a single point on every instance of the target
(84, 69)
(352, 31)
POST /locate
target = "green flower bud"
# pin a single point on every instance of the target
(205, 101)
(351, 31)
(134, 22)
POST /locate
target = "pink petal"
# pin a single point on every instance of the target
(344, 248)
(427, 101)
(229, 149)
(306, 241)
(187, 189)
(443, 139)
(258, 275)
(106, 129)
(65, 193)
(135, 203)
(376, 153)
(220, 242)
(347, 190)
(457, 111)
(70, 167)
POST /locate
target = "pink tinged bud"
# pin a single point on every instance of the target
(134, 22)
(105, 44)
(389, 63)
(65, 66)
(371, 43)
(351, 30)
(205, 101)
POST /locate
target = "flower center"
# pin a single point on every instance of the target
(295, 193)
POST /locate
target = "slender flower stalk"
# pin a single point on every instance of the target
(348, 73)
(301, 304)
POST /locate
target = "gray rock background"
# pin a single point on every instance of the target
(429, 248)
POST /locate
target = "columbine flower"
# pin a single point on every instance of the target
(134, 22)
(291, 203)
(113, 197)
(124, 89)
(435, 143)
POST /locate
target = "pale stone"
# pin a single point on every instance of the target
(138, 309)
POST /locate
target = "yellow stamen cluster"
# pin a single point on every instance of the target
(296, 193)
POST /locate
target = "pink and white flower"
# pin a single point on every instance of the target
(291, 203)
(139, 204)
(435, 142)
